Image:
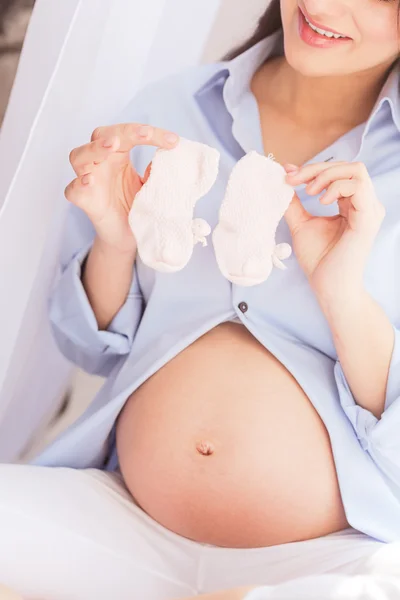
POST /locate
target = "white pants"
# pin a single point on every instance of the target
(77, 535)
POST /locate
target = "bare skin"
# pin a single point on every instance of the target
(237, 432)
(308, 135)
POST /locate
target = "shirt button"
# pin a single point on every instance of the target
(243, 306)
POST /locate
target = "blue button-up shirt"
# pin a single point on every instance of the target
(165, 313)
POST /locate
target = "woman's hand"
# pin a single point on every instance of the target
(333, 250)
(107, 182)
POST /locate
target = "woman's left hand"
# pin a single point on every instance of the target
(333, 250)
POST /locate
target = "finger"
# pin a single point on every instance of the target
(84, 158)
(324, 179)
(343, 188)
(289, 168)
(309, 172)
(135, 134)
(296, 214)
(77, 186)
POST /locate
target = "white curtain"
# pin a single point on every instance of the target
(81, 63)
(82, 60)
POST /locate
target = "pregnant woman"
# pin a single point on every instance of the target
(245, 436)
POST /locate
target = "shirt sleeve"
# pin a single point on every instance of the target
(72, 318)
(73, 321)
(379, 437)
(75, 326)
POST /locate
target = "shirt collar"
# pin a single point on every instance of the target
(243, 67)
(390, 94)
(238, 72)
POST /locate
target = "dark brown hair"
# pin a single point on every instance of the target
(270, 22)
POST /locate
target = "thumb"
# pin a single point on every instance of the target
(296, 214)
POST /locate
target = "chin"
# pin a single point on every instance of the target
(309, 62)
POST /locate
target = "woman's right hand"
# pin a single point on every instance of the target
(107, 182)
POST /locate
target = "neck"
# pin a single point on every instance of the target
(315, 102)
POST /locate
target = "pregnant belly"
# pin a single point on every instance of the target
(223, 447)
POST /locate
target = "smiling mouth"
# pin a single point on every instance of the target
(324, 32)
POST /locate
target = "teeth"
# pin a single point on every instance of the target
(327, 34)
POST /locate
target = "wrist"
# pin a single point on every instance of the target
(123, 252)
(345, 282)
(342, 299)
(344, 289)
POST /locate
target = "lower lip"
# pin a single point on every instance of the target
(312, 38)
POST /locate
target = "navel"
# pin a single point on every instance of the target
(205, 448)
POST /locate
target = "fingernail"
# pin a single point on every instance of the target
(291, 169)
(171, 138)
(108, 143)
(144, 131)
